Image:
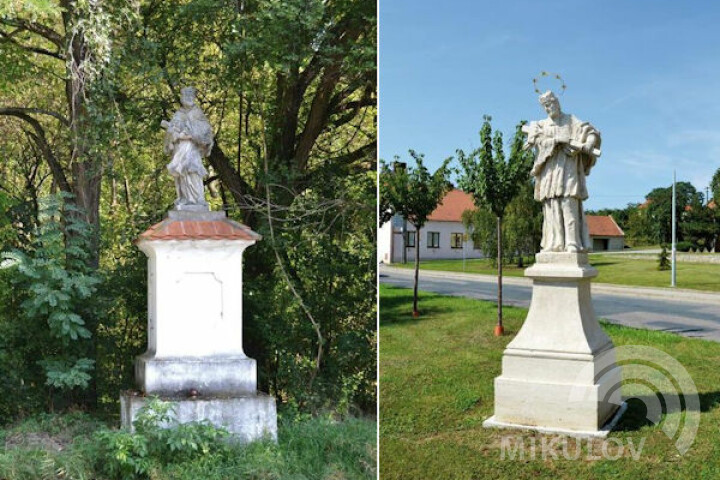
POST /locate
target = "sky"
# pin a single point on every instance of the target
(646, 73)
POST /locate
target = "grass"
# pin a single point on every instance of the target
(616, 270)
(436, 389)
(62, 447)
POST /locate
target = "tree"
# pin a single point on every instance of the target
(523, 225)
(413, 193)
(663, 260)
(715, 186)
(59, 287)
(660, 209)
(69, 42)
(290, 90)
(495, 182)
(700, 226)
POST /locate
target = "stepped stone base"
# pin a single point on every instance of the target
(209, 376)
(247, 417)
(559, 373)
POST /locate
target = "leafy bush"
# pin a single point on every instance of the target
(684, 246)
(129, 455)
(663, 261)
(56, 287)
(308, 448)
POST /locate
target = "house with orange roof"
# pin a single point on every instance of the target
(605, 233)
(443, 236)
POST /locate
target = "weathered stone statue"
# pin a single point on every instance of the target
(188, 139)
(559, 373)
(566, 151)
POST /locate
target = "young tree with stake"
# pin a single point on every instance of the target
(494, 182)
(413, 193)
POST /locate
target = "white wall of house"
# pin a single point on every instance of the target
(444, 250)
(385, 234)
(613, 243)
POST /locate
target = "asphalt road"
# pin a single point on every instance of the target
(682, 314)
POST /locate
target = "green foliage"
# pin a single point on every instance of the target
(483, 225)
(32, 9)
(333, 270)
(660, 209)
(290, 85)
(715, 186)
(486, 175)
(522, 225)
(522, 228)
(684, 246)
(57, 286)
(413, 192)
(663, 259)
(76, 446)
(494, 183)
(639, 227)
(130, 455)
(700, 226)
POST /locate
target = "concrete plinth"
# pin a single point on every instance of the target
(559, 372)
(247, 417)
(195, 326)
(212, 375)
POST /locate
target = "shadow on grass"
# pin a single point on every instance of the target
(396, 306)
(637, 415)
(603, 263)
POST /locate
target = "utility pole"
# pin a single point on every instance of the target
(673, 281)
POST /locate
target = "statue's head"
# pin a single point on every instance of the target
(187, 97)
(551, 104)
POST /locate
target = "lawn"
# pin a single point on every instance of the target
(614, 269)
(67, 446)
(436, 388)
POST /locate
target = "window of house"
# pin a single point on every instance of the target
(410, 239)
(456, 240)
(433, 239)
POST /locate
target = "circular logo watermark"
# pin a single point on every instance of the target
(654, 378)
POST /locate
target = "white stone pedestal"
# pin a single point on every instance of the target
(195, 326)
(559, 373)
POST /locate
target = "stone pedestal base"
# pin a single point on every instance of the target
(602, 433)
(559, 372)
(216, 376)
(247, 417)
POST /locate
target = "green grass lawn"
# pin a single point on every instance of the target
(436, 389)
(65, 447)
(611, 269)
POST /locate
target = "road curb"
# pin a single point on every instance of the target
(624, 290)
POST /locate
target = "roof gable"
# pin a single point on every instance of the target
(603, 226)
(452, 206)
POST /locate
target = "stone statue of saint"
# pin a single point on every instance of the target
(566, 150)
(188, 138)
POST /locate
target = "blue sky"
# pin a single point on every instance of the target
(645, 73)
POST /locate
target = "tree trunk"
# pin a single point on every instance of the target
(499, 330)
(416, 313)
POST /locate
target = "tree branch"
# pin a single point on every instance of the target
(14, 111)
(42, 30)
(42, 144)
(39, 50)
(229, 176)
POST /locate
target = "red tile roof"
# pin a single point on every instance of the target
(199, 230)
(452, 207)
(603, 226)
